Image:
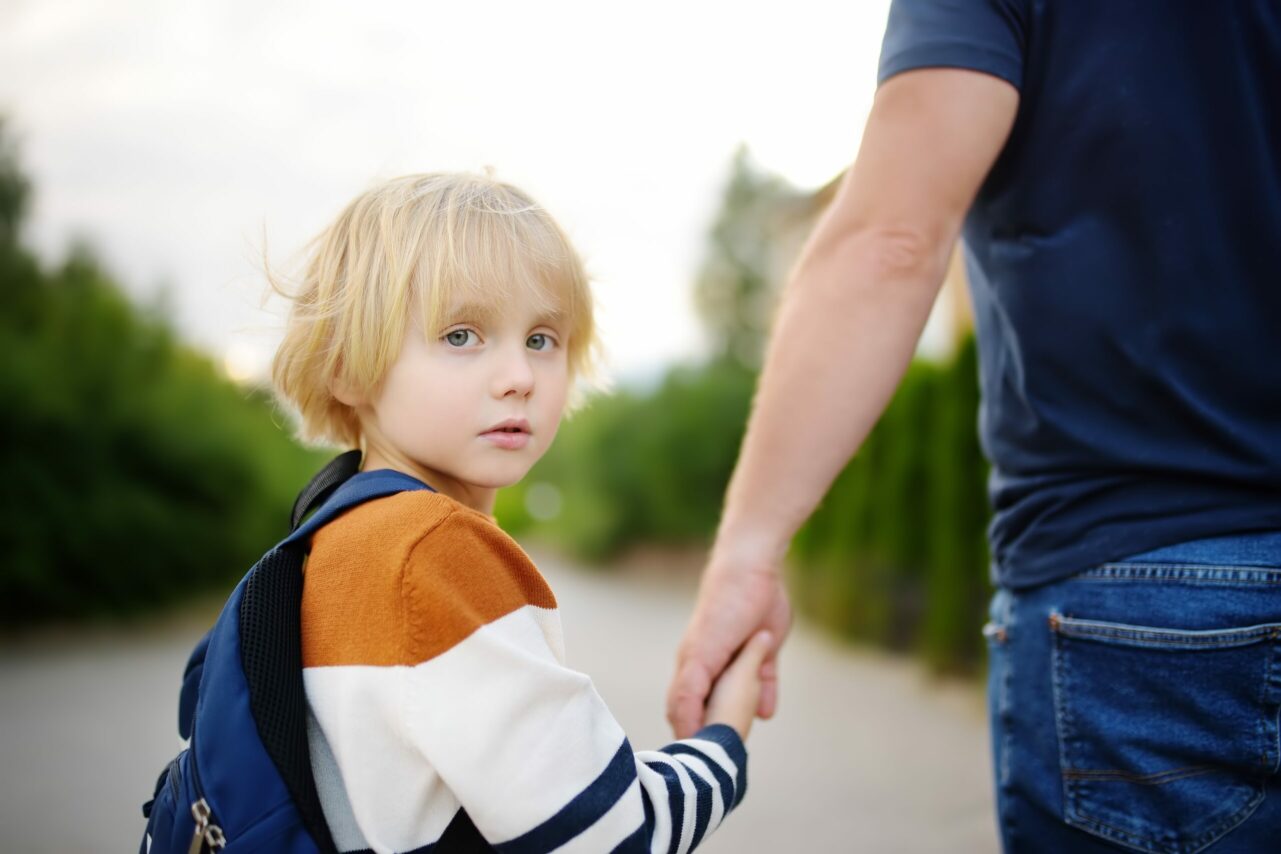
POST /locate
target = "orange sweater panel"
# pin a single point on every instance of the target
(400, 580)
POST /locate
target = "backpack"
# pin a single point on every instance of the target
(244, 783)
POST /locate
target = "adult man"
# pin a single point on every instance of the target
(1117, 170)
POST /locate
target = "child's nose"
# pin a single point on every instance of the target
(515, 376)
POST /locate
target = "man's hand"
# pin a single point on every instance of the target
(736, 600)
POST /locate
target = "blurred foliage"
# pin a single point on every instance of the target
(135, 473)
(138, 475)
(14, 190)
(639, 468)
(734, 292)
(896, 555)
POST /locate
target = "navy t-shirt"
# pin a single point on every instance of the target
(1124, 256)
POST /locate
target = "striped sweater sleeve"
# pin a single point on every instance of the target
(479, 715)
(525, 743)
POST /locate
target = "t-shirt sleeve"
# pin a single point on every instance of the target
(524, 742)
(980, 35)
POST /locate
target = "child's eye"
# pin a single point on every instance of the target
(540, 341)
(460, 337)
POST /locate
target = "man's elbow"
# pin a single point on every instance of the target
(901, 254)
(865, 259)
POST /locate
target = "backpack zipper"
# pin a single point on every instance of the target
(207, 833)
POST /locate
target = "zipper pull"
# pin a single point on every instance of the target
(215, 838)
(200, 812)
(206, 834)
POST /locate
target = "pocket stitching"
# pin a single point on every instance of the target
(1152, 636)
(1066, 731)
(1133, 840)
(1190, 573)
(1270, 748)
(1157, 779)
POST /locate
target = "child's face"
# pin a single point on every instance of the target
(472, 407)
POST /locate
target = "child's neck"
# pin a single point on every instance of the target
(476, 497)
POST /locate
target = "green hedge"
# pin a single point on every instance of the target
(134, 473)
(137, 475)
(895, 555)
(638, 468)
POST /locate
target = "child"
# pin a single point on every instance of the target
(440, 325)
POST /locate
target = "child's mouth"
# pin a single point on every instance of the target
(509, 435)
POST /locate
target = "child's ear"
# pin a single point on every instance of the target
(346, 394)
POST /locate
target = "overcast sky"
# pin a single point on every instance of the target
(174, 135)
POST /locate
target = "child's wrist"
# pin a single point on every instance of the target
(739, 726)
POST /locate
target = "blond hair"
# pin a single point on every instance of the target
(420, 243)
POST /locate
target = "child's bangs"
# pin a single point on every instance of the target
(487, 255)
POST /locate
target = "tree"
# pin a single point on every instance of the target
(135, 473)
(14, 190)
(748, 252)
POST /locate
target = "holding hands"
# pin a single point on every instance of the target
(727, 664)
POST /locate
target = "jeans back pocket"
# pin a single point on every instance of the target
(1166, 736)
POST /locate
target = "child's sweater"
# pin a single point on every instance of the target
(438, 693)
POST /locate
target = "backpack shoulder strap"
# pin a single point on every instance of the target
(191, 686)
(337, 472)
(270, 641)
(359, 488)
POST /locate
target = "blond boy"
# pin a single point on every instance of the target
(440, 325)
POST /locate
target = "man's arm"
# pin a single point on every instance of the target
(847, 327)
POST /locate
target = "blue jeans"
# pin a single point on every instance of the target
(1135, 706)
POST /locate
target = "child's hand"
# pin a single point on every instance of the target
(736, 693)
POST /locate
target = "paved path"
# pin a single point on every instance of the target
(866, 754)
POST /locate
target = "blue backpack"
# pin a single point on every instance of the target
(245, 783)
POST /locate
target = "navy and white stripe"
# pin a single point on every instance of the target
(455, 723)
(500, 732)
(703, 777)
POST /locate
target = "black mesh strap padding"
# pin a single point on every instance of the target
(271, 656)
(340, 469)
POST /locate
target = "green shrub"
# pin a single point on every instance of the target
(896, 554)
(136, 475)
(638, 468)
